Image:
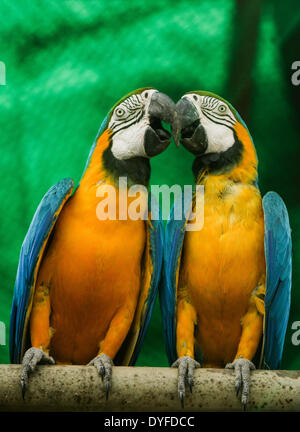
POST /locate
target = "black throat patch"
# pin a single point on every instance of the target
(219, 163)
(137, 169)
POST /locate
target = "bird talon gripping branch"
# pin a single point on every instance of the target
(32, 357)
(242, 368)
(186, 366)
(104, 365)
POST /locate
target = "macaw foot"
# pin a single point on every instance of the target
(31, 358)
(186, 366)
(242, 368)
(104, 365)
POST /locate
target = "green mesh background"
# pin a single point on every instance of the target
(68, 62)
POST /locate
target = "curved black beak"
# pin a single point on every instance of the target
(161, 108)
(187, 128)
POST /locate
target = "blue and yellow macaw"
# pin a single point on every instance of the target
(225, 299)
(85, 288)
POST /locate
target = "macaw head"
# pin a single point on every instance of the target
(132, 133)
(136, 126)
(210, 128)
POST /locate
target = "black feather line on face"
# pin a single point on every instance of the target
(222, 121)
(135, 92)
(125, 124)
(219, 163)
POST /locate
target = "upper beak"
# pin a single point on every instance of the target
(188, 129)
(185, 115)
(161, 108)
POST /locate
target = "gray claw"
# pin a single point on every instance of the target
(107, 389)
(31, 358)
(186, 366)
(242, 368)
(104, 365)
(23, 385)
(181, 397)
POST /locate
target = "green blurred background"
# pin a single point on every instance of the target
(68, 62)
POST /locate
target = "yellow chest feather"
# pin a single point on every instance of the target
(224, 261)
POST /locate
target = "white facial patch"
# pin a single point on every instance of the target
(217, 120)
(128, 123)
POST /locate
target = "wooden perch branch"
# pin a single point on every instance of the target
(79, 388)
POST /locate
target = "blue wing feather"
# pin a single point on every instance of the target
(156, 253)
(174, 236)
(43, 221)
(278, 253)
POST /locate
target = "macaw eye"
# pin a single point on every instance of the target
(120, 112)
(222, 108)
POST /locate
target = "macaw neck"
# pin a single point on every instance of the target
(137, 169)
(238, 164)
(88, 195)
(103, 166)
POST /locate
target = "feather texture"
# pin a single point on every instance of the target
(31, 252)
(278, 252)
